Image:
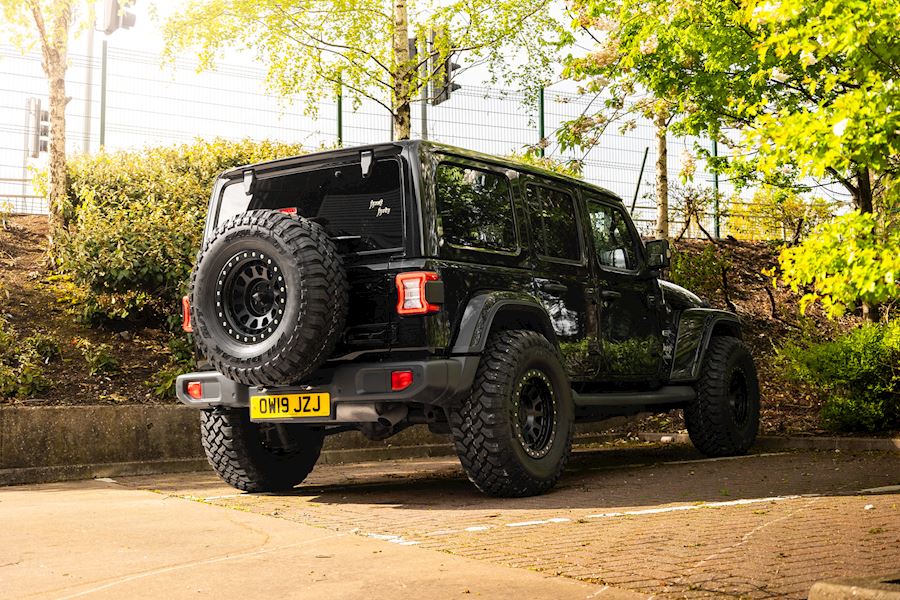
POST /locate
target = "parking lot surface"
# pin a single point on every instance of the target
(658, 520)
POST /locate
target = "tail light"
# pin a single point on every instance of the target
(195, 390)
(419, 293)
(186, 315)
(400, 380)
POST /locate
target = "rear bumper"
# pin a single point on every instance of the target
(353, 387)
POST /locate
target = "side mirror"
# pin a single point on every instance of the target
(658, 254)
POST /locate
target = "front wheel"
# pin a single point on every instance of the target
(258, 457)
(513, 434)
(724, 419)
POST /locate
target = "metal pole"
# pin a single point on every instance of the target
(541, 119)
(715, 153)
(637, 188)
(426, 51)
(88, 89)
(103, 95)
(340, 115)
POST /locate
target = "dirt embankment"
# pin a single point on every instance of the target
(30, 302)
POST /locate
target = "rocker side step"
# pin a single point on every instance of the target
(670, 394)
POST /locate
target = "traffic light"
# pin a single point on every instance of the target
(113, 16)
(38, 128)
(442, 84)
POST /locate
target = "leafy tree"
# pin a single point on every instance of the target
(47, 23)
(808, 83)
(852, 260)
(314, 46)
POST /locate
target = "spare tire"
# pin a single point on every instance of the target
(268, 298)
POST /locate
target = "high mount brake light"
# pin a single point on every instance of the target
(411, 296)
(186, 315)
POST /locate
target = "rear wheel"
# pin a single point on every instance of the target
(258, 457)
(514, 432)
(724, 419)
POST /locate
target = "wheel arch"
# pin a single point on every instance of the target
(489, 311)
(696, 327)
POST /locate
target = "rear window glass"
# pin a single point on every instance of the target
(556, 228)
(474, 208)
(367, 210)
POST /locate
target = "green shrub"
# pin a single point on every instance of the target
(859, 372)
(22, 362)
(700, 272)
(181, 360)
(135, 220)
(100, 358)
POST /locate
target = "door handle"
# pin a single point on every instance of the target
(551, 286)
(610, 294)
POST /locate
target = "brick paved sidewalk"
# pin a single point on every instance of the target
(651, 519)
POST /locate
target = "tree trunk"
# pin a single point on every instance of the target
(57, 150)
(662, 177)
(54, 55)
(864, 194)
(403, 75)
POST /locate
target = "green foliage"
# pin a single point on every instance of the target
(22, 362)
(777, 213)
(136, 221)
(313, 46)
(810, 84)
(532, 156)
(181, 360)
(859, 371)
(100, 358)
(853, 259)
(700, 272)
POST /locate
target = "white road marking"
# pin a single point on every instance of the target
(544, 522)
(223, 497)
(667, 509)
(478, 528)
(106, 480)
(393, 539)
(683, 462)
(878, 490)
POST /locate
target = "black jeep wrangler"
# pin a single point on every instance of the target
(407, 283)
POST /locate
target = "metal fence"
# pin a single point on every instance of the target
(149, 104)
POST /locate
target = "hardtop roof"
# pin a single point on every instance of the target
(416, 146)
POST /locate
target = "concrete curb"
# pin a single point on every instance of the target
(849, 444)
(60, 443)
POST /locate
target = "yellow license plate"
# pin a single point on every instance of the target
(290, 406)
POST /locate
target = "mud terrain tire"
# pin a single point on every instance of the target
(269, 298)
(724, 419)
(501, 430)
(258, 457)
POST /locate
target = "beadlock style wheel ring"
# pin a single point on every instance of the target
(250, 297)
(535, 415)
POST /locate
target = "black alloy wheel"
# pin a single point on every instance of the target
(251, 295)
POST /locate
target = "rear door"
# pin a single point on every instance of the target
(629, 308)
(561, 274)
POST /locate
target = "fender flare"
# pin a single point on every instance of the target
(482, 311)
(696, 326)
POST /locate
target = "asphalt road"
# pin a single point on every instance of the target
(624, 523)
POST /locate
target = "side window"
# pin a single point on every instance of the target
(474, 208)
(613, 241)
(556, 229)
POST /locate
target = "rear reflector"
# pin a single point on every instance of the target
(195, 390)
(411, 298)
(186, 315)
(289, 211)
(400, 380)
